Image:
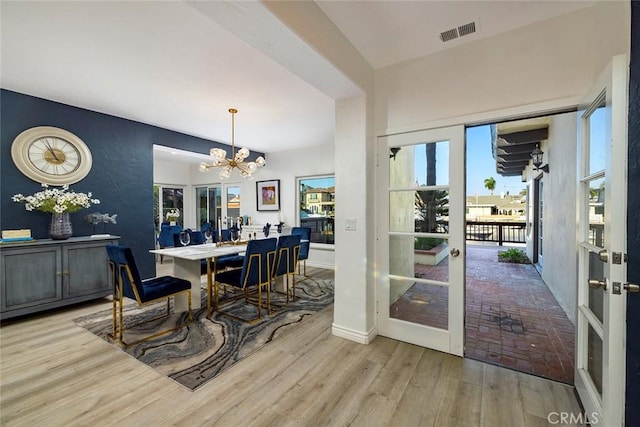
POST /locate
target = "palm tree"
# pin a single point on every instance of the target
(490, 184)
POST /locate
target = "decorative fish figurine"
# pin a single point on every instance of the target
(100, 218)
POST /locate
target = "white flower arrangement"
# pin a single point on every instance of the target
(56, 200)
(173, 214)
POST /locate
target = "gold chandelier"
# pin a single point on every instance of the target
(236, 160)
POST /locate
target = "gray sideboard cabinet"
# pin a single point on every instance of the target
(45, 274)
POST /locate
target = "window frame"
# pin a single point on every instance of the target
(299, 180)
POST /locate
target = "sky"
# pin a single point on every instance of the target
(481, 165)
(320, 182)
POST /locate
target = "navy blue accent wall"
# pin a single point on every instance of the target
(121, 176)
(632, 412)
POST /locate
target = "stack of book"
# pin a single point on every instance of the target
(16, 235)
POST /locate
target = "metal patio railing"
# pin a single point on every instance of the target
(496, 231)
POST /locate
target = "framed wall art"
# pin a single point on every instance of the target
(268, 194)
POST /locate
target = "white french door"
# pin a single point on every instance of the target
(420, 295)
(539, 225)
(600, 328)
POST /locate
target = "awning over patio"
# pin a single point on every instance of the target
(513, 142)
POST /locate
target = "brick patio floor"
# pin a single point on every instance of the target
(511, 317)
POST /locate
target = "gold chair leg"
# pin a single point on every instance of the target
(259, 302)
(216, 296)
(114, 318)
(160, 333)
(209, 284)
(303, 263)
(268, 301)
(286, 279)
(293, 286)
(121, 322)
(208, 301)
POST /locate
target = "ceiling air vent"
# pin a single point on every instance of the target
(466, 29)
(454, 33)
(445, 36)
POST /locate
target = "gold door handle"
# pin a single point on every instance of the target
(595, 283)
(603, 255)
(632, 288)
(454, 252)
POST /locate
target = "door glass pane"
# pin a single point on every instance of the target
(594, 358)
(419, 303)
(208, 207)
(233, 202)
(215, 204)
(422, 257)
(201, 205)
(172, 200)
(596, 212)
(596, 295)
(540, 212)
(597, 139)
(419, 165)
(425, 211)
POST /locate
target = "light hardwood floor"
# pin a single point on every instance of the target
(54, 373)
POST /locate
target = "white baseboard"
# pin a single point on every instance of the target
(321, 265)
(353, 335)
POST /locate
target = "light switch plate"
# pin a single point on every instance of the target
(350, 224)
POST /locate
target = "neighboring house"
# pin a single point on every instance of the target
(481, 207)
(320, 201)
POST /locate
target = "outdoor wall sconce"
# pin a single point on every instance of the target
(394, 151)
(536, 157)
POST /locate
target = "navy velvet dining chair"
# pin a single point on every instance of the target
(165, 237)
(286, 261)
(255, 273)
(189, 236)
(127, 283)
(196, 237)
(226, 261)
(305, 240)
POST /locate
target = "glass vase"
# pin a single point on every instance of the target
(60, 228)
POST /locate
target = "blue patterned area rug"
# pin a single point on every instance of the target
(198, 352)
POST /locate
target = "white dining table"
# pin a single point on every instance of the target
(186, 265)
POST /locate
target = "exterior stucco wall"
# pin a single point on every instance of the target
(559, 262)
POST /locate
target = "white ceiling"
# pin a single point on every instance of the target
(388, 32)
(171, 64)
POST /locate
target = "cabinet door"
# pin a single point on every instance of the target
(31, 277)
(86, 270)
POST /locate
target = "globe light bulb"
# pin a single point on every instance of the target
(225, 173)
(243, 153)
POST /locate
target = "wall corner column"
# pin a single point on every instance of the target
(354, 307)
